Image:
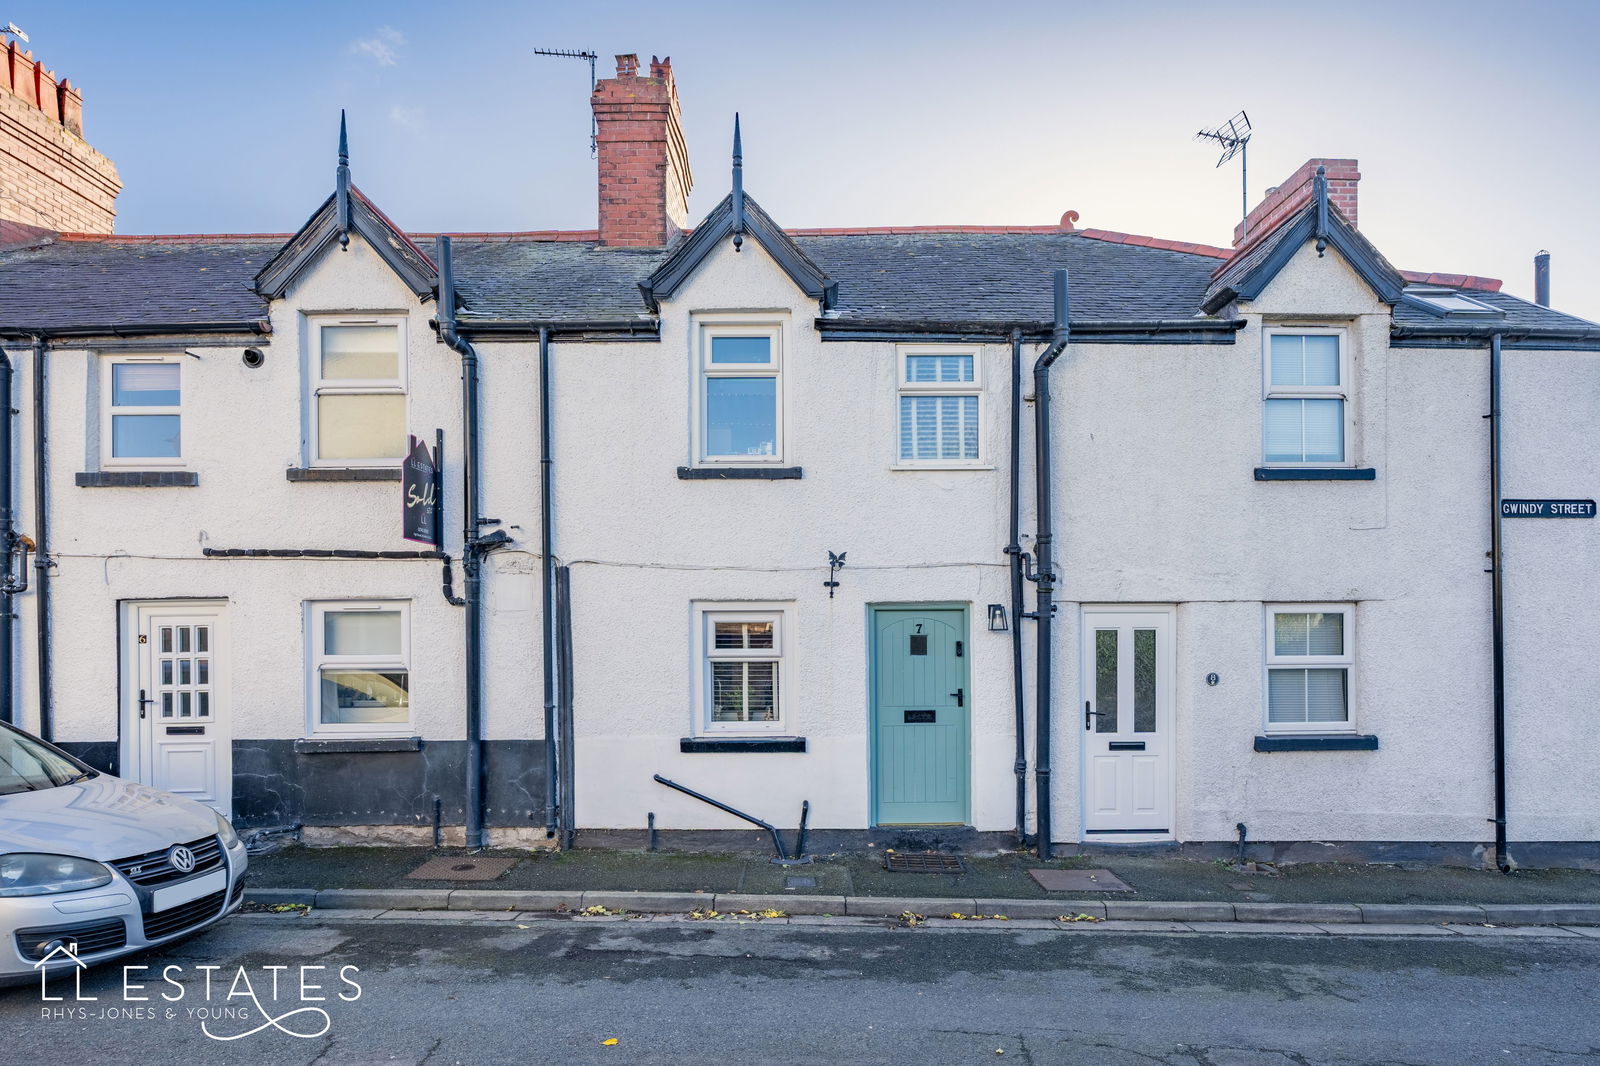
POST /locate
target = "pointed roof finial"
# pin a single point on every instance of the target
(1319, 189)
(342, 184)
(738, 187)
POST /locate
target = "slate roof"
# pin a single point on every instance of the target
(989, 280)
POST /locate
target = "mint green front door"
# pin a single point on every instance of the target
(921, 712)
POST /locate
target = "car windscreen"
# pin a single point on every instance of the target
(28, 766)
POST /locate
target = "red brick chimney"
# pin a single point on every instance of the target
(1293, 194)
(50, 179)
(644, 163)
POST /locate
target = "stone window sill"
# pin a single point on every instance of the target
(738, 473)
(726, 745)
(328, 746)
(1315, 473)
(153, 479)
(343, 473)
(1314, 742)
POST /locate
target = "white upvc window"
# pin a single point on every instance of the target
(141, 421)
(358, 667)
(939, 417)
(1310, 667)
(739, 397)
(356, 409)
(1307, 415)
(744, 664)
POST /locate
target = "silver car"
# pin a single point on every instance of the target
(99, 867)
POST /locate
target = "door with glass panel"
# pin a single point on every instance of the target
(921, 709)
(176, 731)
(1126, 716)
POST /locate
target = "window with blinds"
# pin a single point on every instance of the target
(358, 401)
(940, 407)
(743, 670)
(1306, 414)
(1310, 660)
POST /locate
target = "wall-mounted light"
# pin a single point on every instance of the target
(997, 618)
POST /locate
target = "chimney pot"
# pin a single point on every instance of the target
(627, 66)
(1541, 278)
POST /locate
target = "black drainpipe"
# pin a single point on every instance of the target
(8, 544)
(552, 794)
(41, 537)
(1502, 860)
(472, 549)
(1044, 599)
(1014, 550)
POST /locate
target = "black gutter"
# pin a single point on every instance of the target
(599, 330)
(1496, 585)
(1044, 542)
(1169, 331)
(552, 770)
(8, 545)
(472, 551)
(1483, 332)
(1014, 551)
(259, 327)
(41, 538)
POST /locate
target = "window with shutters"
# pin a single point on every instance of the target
(1310, 668)
(1306, 417)
(142, 416)
(743, 675)
(940, 411)
(357, 404)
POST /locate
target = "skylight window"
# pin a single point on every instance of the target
(1449, 302)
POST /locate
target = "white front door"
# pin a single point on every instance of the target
(176, 733)
(1127, 677)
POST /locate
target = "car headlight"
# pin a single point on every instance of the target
(40, 875)
(230, 839)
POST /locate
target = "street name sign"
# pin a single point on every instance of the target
(1547, 508)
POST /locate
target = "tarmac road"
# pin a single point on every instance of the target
(440, 989)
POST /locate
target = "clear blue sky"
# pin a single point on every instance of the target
(1474, 122)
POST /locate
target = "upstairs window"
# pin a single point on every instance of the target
(358, 401)
(940, 405)
(1307, 412)
(1310, 660)
(143, 412)
(741, 393)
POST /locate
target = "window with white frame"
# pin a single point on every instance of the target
(940, 406)
(1307, 411)
(358, 392)
(142, 416)
(1310, 663)
(740, 392)
(358, 669)
(742, 676)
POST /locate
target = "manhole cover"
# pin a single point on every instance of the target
(1079, 881)
(911, 863)
(461, 868)
(799, 882)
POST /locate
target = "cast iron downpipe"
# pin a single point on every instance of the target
(41, 537)
(472, 547)
(1044, 599)
(552, 793)
(8, 541)
(1502, 860)
(1014, 550)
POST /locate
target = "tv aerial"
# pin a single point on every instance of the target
(14, 31)
(1234, 137)
(568, 53)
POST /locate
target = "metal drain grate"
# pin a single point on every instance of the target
(903, 863)
(461, 868)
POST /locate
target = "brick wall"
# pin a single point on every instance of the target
(1293, 194)
(644, 176)
(50, 179)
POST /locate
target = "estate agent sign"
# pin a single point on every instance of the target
(420, 486)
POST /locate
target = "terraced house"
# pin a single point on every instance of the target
(962, 535)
